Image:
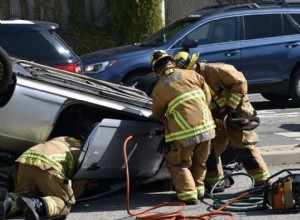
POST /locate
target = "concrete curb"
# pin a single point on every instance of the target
(281, 155)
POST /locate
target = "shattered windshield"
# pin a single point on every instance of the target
(168, 32)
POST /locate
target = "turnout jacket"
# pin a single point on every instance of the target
(181, 100)
(59, 155)
(228, 87)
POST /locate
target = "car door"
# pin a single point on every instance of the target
(211, 49)
(102, 155)
(264, 49)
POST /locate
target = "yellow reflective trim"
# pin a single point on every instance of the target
(234, 98)
(188, 195)
(200, 191)
(183, 98)
(190, 132)
(181, 121)
(14, 207)
(221, 102)
(32, 154)
(261, 177)
(52, 210)
(70, 159)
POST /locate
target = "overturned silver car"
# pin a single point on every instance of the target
(39, 102)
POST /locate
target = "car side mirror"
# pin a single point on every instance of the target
(189, 43)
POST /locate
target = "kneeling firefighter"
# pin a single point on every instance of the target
(42, 181)
(228, 89)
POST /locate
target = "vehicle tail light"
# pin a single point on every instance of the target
(71, 67)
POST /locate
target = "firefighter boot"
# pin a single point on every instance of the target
(32, 208)
(5, 203)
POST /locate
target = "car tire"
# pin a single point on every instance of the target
(295, 87)
(147, 83)
(5, 70)
(275, 97)
(133, 78)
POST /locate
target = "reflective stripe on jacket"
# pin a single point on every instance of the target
(228, 87)
(59, 154)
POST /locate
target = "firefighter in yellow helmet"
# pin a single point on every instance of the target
(178, 97)
(42, 182)
(228, 88)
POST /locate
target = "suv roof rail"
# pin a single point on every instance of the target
(228, 7)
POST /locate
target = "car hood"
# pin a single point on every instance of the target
(114, 53)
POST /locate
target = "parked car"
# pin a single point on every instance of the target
(37, 41)
(262, 41)
(41, 102)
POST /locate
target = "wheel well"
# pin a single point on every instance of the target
(297, 66)
(135, 72)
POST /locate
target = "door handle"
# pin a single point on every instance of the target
(230, 53)
(292, 44)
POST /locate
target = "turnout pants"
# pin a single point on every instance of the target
(57, 194)
(243, 142)
(187, 166)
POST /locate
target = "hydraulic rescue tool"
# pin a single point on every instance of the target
(240, 123)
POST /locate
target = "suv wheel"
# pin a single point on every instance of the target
(133, 78)
(5, 70)
(295, 87)
(147, 83)
(275, 97)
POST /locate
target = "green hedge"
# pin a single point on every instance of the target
(129, 21)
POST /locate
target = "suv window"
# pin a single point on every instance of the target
(27, 41)
(217, 31)
(291, 24)
(262, 26)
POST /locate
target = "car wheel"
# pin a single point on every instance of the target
(295, 87)
(275, 97)
(133, 78)
(5, 70)
(147, 83)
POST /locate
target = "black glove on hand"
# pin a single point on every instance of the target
(163, 147)
(229, 112)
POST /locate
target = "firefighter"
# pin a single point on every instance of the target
(42, 181)
(228, 89)
(178, 97)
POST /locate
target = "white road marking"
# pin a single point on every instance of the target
(290, 134)
(273, 114)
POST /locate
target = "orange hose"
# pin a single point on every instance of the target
(175, 215)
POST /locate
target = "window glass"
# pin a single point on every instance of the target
(217, 31)
(24, 45)
(262, 26)
(291, 24)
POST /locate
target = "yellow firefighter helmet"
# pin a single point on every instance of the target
(158, 55)
(184, 60)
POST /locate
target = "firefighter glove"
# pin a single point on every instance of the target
(229, 112)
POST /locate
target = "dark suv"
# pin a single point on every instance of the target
(37, 41)
(261, 39)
